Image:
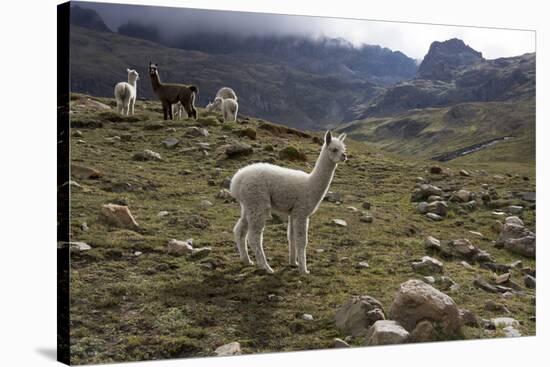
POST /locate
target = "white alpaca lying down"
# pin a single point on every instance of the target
(179, 111)
(126, 93)
(228, 106)
(260, 188)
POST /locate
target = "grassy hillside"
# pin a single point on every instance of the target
(130, 300)
(425, 133)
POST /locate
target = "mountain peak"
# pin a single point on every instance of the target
(444, 58)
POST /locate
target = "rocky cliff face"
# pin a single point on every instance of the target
(453, 73)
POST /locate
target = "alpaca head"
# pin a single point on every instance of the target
(153, 69)
(213, 105)
(335, 148)
(132, 75)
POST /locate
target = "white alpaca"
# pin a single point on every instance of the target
(228, 106)
(223, 93)
(261, 188)
(126, 93)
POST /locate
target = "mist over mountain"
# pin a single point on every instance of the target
(87, 18)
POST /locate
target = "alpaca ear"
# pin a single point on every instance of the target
(328, 137)
(128, 70)
(342, 137)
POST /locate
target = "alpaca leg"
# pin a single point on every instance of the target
(170, 111)
(256, 225)
(118, 106)
(300, 228)
(165, 107)
(291, 244)
(132, 103)
(240, 238)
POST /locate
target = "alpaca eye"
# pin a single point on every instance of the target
(334, 150)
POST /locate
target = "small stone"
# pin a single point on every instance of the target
(238, 150)
(205, 204)
(339, 222)
(385, 332)
(515, 209)
(357, 315)
(179, 248)
(366, 205)
(77, 133)
(495, 307)
(468, 318)
(274, 298)
(363, 265)
(163, 213)
(467, 266)
(194, 132)
(231, 349)
(226, 183)
(438, 207)
(225, 195)
(432, 243)
(147, 155)
(339, 343)
(334, 197)
(170, 142)
(530, 282)
(80, 246)
(351, 208)
(428, 265)
(436, 170)
(138, 253)
(423, 332)
(434, 217)
(505, 321)
(82, 172)
(422, 207)
(464, 173)
(307, 317)
(529, 196)
(502, 278)
(366, 219)
(84, 227)
(118, 215)
(511, 332)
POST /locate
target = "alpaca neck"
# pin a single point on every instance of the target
(321, 176)
(132, 82)
(155, 81)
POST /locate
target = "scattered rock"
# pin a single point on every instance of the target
(196, 221)
(423, 332)
(467, 266)
(516, 238)
(231, 349)
(428, 265)
(205, 204)
(422, 207)
(238, 150)
(529, 281)
(366, 205)
(511, 332)
(464, 173)
(384, 332)
(307, 317)
(225, 195)
(434, 217)
(170, 142)
(481, 283)
(363, 265)
(195, 132)
(226, 183)
(425, 191)
(147, 155)
(366, 218)
(495, 307)
(461, 248)
(79, 246)
(357, 315)
(339, 222)
(529, 196)
(502, 278)
(416, 301)
(462, 195)
(334, 197)
(118, 215)
(339, 343)
(436, 170)
(515, 209)
(163, 213)
(505, 321)
(249, 132)
(468, 318)
(432, 243)
(438, 207)
(179, 248)
(82, 172)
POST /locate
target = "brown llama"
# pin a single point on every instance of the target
(170, 94)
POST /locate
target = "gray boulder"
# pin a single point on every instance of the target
(357, 315)
(417, 301)
(384, 332)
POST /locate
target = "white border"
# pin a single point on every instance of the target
(28, 179)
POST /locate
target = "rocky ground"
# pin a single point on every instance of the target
(400, 250)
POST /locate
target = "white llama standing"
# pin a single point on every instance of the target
(126, 93)
(260, 188)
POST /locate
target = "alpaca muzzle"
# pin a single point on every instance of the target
(344, 157)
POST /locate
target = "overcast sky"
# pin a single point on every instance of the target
(412, 39)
